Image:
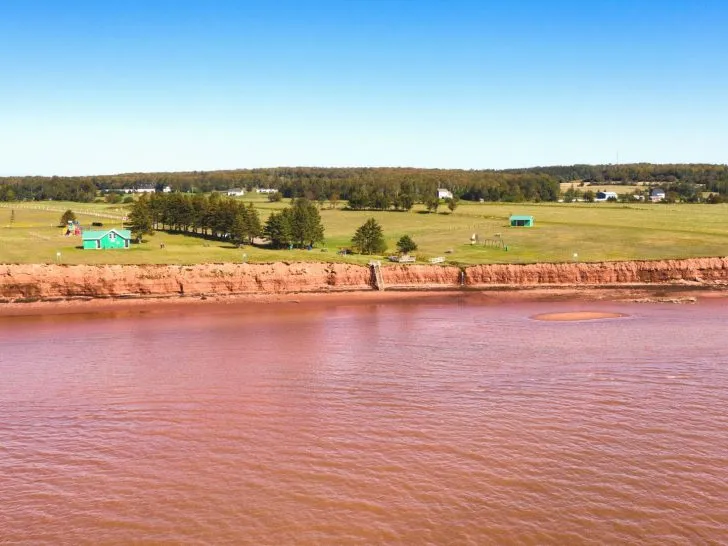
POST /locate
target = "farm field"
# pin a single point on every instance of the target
(619, 189)
(591, 231)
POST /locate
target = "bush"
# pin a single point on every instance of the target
(127, 200)
(68, 216)
(97, 224)
(405, 245)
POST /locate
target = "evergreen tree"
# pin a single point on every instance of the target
(306, 227)
(452, 203)
(405, 245)
(278, 229)
(141, 219)
(239, 229)
(254, 228)
(369, 238)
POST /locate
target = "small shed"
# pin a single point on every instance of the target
(521, 221)
(105, 239)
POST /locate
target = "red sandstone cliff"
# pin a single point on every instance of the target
(42, 281)
(696, 270)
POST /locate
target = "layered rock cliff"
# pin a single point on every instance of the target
(696, 270)
(44, 281)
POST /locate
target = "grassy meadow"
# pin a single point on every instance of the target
(592, 231)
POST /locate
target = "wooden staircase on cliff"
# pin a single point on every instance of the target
(377, 274)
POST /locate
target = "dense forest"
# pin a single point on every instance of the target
(380, 188)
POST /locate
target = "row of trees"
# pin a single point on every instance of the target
(364, 188)
(227, 219)
(298, 225)
(214, 216)
(636, 172)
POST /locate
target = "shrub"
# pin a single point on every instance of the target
(405, 245)
(68, 216)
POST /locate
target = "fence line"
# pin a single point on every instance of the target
(85, 212)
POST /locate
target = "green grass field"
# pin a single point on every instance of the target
(592, 231)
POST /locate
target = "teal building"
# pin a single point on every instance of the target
(521, 221)
(111, 238)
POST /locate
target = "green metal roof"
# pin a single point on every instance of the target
(520, 217)
(93, 235)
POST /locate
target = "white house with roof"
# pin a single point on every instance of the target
(442, 193)
(146, 188)
(657, 195)
(236, 192)
(266, 190)
(605, 196)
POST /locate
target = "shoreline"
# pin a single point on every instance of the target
(489, 295)
(61, 289)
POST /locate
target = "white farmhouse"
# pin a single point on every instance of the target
(657, 195)
(605, 196)
(442, 193)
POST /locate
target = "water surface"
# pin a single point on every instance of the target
(398, 423)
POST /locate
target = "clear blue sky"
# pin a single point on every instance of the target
(115, 86)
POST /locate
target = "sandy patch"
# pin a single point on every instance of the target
(578, 315)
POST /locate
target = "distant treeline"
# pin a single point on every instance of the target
(713, 177)
(380, 188)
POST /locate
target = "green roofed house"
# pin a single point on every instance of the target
(521, 221)
(110, 238)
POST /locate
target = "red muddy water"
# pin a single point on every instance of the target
(398, 423)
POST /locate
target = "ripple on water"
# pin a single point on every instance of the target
(410, 424)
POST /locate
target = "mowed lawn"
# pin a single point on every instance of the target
(585, 232)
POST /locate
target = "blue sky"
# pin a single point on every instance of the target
(117, 86)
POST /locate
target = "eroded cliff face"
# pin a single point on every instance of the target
(98, 281)
(696, 270)
(44, 281)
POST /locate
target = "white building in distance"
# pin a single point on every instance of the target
(605, 196)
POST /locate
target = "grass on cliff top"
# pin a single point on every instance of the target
(592, 231)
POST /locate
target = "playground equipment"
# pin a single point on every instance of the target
(495, 242)
(73, 228)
